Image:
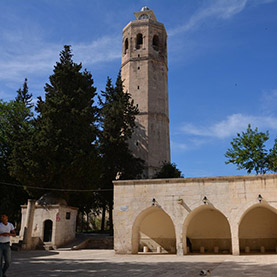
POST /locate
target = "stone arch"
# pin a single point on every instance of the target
(258, 229)
(126, 45)
(155, 42)
(207, 230)
(47, 230)
(139, 41)
(153, 228)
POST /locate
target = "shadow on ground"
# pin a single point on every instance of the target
(49, 264)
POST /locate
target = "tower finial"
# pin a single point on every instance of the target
(145, 13)
(145, 8)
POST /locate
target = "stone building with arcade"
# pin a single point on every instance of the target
(223, 215)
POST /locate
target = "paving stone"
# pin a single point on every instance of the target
(107, 263)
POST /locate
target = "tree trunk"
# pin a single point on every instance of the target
(111, 217)
(103, 218)
(82, 222)
(87, 221)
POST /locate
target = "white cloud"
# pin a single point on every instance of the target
(269, 101)
(190, 144)
(104, 49)
(233, 124)
(37, 57)
(219, 9)
(213, 10)
(3, 95)
(15, 67)
(178, 146)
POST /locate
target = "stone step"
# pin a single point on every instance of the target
(48, 247)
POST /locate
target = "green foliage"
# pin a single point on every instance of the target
(25, 98)
(22, 130)
(248, 151)
(15, 128)
(168, 170)
(272, 158)
(117, 123)
(62, 151)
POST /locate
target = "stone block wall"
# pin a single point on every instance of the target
(229, 199)
(63, 228)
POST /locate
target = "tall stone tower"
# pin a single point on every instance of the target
(144, 72)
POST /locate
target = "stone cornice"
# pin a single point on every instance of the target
(154, 114)
(144, 22)
(196, 179)
(143, 59)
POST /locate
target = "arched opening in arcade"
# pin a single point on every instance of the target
(153, 232)
(206, 230)
(258, 230)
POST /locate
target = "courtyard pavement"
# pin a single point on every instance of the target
(107, 263)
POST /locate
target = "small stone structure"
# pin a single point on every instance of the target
(47, 223)
(235, 214)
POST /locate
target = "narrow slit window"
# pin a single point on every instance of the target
(126, 45)
(138, 87)
(155, 42)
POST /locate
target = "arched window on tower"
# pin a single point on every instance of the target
(126, 46)
(155, 42)
(139, 41)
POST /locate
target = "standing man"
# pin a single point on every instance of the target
(6, 231)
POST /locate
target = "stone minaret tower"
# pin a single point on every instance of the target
(144, 72)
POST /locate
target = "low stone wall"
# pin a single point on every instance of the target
(167, 245)
(216, 246)
(96, 243)
(269, 244)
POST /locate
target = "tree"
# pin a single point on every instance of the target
(22, 130)
(117, 122)
(272, 158)
(168, 170)
(15, 130)
(25, 98)
(10, 197)
(63, 150)
(248, 151)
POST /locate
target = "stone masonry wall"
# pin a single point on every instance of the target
(232, 196)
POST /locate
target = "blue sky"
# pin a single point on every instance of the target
(221, 53)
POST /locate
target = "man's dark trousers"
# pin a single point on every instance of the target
(5, 254)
